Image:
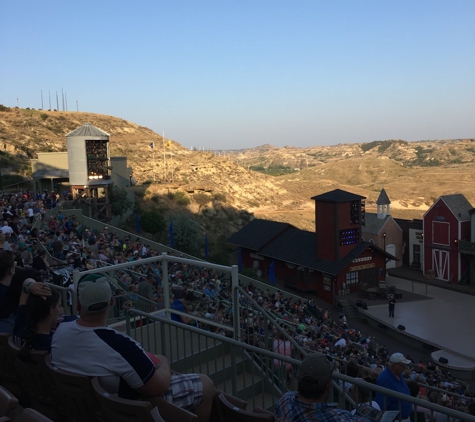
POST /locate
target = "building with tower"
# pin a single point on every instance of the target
(332, 261)
(382, 230)
(87, 170)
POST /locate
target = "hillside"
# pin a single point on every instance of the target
(413, 173)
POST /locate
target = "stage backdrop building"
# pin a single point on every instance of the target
(332, 261)
(382, 230)
(446, 223)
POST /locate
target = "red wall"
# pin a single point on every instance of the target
(325, 228)
(440, 210)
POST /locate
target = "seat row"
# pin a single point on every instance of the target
(67, 397)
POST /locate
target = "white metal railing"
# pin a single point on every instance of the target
(242, 369)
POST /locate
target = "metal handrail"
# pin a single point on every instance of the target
(272, 320)
(419, 403)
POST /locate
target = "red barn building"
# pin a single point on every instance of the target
(445, 223)
(331, 261)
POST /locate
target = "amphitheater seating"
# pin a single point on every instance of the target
(215, 412)
(8, 370)
(32, 415)
(116, 409)
(231, 413)
(80, 401)
(38, 382)
(8, 404)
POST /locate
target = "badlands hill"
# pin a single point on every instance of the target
(413, 173)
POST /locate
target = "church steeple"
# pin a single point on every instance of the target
(383, 204)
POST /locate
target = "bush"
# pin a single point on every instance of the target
(43, 116)
(152, 222)
(201, 199)
(179, 197)
(221, 197)
(119, 202)
(156, 199)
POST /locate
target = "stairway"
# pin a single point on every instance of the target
(233, 370)
(350, 308)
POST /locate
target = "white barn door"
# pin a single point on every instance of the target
(440, 264)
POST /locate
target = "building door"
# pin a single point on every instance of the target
(416, 256)
(392, 250)
(440, 264)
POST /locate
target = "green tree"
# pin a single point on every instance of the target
(186, 234)
(119, 202)
(201, 199)
(152, 222)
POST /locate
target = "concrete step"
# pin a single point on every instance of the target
(350, 309)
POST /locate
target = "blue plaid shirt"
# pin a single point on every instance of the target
(290, 409)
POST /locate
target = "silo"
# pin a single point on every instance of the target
(88, 156)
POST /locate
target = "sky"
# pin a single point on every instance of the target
(234, 74)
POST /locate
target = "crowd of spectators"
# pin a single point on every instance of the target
(206, 293)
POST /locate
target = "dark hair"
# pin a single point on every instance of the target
(413, 388)
(36, 309)
(13, 293)
(309, 388)
(6, 263)
(352, 369)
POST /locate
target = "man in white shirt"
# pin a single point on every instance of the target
(6, 229)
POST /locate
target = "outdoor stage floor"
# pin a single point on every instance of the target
(441, 316)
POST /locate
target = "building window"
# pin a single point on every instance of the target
(352, 278)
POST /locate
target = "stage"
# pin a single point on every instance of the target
(438, 316)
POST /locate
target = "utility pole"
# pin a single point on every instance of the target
(164, 158)
(57, 102)
(77, 106)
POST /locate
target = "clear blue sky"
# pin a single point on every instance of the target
(238, 74)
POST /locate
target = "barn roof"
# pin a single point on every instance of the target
(257, 233)
(337, 195)
(286, 243)
(459, 206)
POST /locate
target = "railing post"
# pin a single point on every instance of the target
(76, 277)
(165, 285)
(235, 296)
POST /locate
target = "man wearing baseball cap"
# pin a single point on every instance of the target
(392, 378)
(88, 347)
(309, 403)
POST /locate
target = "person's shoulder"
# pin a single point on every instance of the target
(117, 340)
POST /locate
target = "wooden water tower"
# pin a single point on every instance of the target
(89, 170)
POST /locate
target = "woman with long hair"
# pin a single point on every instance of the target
(34, 320)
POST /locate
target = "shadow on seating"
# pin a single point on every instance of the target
(32, 415)
(80, 401)
(8, 404)
(116, 409)
(231, 413)
(39, 383)
(215, 411)
(8, 370)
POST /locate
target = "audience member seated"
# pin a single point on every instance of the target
(309, 402)
(120, 362)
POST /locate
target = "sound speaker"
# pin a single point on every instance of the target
(443, 360)
(401, 327)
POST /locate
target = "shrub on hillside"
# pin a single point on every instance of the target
(152, 222)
